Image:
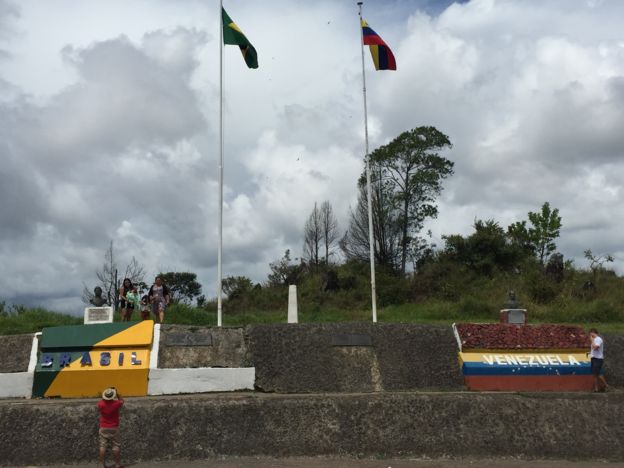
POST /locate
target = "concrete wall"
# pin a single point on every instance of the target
(614, 359)
(300, 358)
(15, 352)
(200, 380)
(564, 426)
(228, 347)
(16, 385)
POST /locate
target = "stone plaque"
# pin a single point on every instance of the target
(351, 339)
(98, 315)
(188, 339)
(517, 316)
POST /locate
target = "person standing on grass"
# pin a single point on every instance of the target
(159, 297)
(125, 307)
(109, 407)
(596, 352)
(132, 302)
(145, 308)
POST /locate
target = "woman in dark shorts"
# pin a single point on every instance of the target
(125, 307)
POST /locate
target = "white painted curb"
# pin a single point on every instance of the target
(293, 316)
(33, 352)
(16, 385)
(19, 384)
(200, 380)
(457, 338)
(155, 347)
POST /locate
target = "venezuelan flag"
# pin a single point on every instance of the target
(381, 53)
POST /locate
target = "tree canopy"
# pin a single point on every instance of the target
(183, 286)
(407, 176)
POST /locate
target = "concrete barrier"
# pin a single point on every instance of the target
(307, 358)
(191, 346)
(200, 380)
(614, 359)
(563, 426)
(15, 352)
(353, 357)
(16, 385)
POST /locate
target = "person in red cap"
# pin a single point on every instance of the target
(109, 407)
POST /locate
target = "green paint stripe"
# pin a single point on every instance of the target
(41, 383)
(56, 355)
(80, 336)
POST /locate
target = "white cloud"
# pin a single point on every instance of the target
(109, 124)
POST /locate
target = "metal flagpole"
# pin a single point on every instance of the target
(371, 237)
(220, 248)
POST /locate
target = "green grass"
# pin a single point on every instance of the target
(33, 320)
(599, 314)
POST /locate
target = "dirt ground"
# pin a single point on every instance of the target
(249, 462)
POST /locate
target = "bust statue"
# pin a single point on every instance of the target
(98, 300)
(511, 302)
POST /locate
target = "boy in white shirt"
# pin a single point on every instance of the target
(596, 352)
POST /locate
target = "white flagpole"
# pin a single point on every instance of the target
(371, 237)
(220, 248)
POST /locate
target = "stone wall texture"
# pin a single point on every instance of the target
(562, 426)
(228, 347)
(299, 358)
(614, 359)
(15, 352)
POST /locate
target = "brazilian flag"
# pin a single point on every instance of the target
(234, 36)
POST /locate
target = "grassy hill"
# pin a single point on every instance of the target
(440, 295)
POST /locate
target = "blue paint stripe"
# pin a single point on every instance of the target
(383, 58)
(479, 368)
(368, 31)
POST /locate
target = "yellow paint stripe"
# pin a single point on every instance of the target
(526, 350)
(137, 335)
(77, 380)
(234, 27)
(129, 382)
(375, 54)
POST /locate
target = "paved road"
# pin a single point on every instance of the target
(248, 462)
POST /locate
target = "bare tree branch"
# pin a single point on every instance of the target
(329, 229)
(313, 235)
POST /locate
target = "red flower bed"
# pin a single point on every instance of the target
(504, 336)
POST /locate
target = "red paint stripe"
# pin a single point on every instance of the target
(373, 40)
(530, 383)
(391, 59)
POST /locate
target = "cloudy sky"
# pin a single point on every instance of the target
(109, 126)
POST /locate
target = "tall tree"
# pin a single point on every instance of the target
(355, 242)
(408, 173)
(545, 229)
(313, 235)
(539, 237)
(413, 168)
(329, 229)
(183, 286)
